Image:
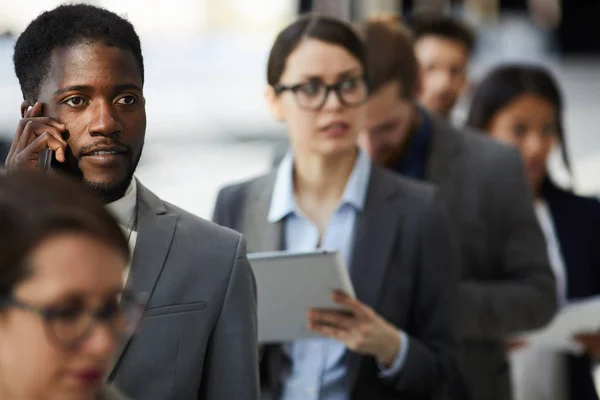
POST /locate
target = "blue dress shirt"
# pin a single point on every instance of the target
(318, 368)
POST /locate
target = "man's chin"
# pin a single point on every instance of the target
(384, 159)
(106, 183)
(443, 109)
(108, 191)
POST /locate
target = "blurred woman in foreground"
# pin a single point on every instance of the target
(62, 305)
(522, 106)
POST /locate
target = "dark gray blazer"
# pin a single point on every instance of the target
(507, 284)
(197, 339)
(404, 266)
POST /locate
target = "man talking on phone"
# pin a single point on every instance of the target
(81, 72)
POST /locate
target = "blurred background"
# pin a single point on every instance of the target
(205, 64)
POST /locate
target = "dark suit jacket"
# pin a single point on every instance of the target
(507, 285)
(197, 339)
(577, 224)
(404, 266)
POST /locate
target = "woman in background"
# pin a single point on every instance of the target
(63, 310)
(522, 106)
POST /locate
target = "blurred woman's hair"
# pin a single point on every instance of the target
(35, 207)
(505, 84)
(313, 26)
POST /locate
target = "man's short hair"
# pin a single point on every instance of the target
(68, 25)
(443, 26)
(390, 54)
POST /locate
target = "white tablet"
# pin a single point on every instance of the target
(289, 284)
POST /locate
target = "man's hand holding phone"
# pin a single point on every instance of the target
(35, 135)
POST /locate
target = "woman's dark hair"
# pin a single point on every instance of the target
(326, 29)
(36, 206)
(504, 85)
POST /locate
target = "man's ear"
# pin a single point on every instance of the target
(25, 105)
(274, 103)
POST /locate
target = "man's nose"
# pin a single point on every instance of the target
(442, 79)
(104, 121)
(534, 145)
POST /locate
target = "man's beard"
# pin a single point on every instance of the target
(107, 192)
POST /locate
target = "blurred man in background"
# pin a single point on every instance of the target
(443, 46)
(507, 285)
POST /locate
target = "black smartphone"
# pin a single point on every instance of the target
(45, 159)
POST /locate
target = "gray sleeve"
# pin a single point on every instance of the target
(523, 295)
(231, 365)
(220, 215)
(433, 344)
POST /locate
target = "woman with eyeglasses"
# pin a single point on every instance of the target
(522, 106)
(396, 341)
(63, 310)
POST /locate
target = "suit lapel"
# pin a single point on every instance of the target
(262, 235)
(155, 234)
(375, 231)
(375, 234)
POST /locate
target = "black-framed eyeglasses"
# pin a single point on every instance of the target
(70, 325)
(312, 95)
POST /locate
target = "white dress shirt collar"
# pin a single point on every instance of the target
(123, 209)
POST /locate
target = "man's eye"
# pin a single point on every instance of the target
(75, 102)
(456, 71)
(127, 100)
(519, 130)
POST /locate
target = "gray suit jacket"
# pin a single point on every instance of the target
(197, 339)
(507, 285)
(404, 266)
